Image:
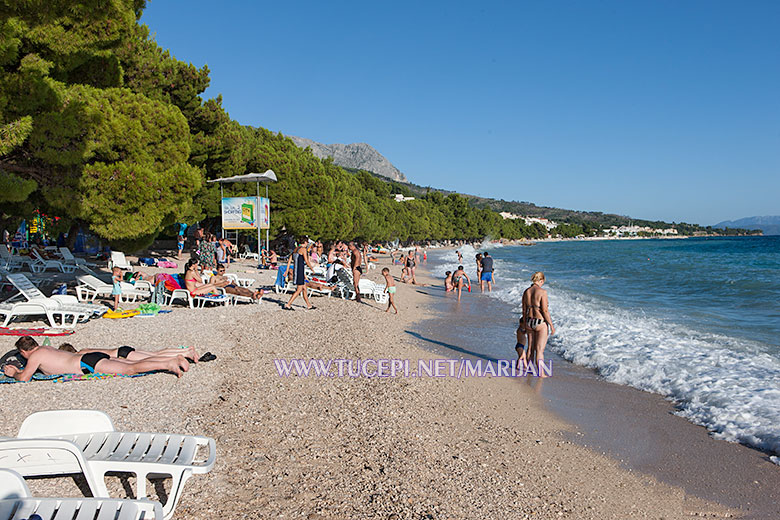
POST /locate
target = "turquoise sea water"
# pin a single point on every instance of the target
(696, 320)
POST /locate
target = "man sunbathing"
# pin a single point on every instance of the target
(122, 361)
(220, 280)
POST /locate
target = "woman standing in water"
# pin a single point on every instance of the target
(537, 318)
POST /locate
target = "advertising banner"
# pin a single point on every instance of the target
(239, 213)
(265, 213)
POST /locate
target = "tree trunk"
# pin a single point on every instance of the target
(72, 234)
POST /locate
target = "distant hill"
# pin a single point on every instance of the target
(770, 225)
(360, 156)
(588, 220)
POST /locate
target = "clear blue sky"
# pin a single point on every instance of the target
(656, 109)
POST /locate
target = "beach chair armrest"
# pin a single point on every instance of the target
(210, 459)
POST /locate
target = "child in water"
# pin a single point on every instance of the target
(448, 281)
(390, 288)
(519, 346)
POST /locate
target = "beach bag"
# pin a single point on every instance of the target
(159, 293)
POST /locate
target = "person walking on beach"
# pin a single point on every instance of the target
(536, 316)
(357, 268)
(457, 280)
(300, 259)
(487, 273)
(390, 289)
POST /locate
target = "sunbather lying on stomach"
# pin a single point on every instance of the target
(124, 360)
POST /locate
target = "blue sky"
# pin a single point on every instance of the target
(658, 109)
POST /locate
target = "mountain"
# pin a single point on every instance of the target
(360, 156)
(770, 225)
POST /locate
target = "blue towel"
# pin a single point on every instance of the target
(280, 276)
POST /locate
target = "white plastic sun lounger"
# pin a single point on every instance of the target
(17, 503)
(118, 260)
(68, 258)
(40, 264)
(63, 442)
(241, 282)
(90, 287)
(372, 290)
(57, 302)
(57, 317)
(11, 262)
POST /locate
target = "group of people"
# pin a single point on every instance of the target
(535, 325)
(210, 250)
(193, 280)
(350, 257)
(121, 361)
(459, 280)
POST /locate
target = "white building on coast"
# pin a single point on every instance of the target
(548, 224)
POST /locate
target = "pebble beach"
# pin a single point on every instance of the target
(345, 447)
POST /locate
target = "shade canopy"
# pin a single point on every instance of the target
(268, 176)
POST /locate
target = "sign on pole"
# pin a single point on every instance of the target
(265, 213)
(239, 213)
(246, 213)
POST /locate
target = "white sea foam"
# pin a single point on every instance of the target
(729, 385)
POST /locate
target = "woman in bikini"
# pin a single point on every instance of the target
(536, 318)
(194, 282)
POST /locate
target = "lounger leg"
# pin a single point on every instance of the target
(97, 485)
(140, 485)
(178, 479)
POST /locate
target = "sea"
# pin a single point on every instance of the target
(695, 320)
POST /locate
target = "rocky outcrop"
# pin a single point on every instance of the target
(361, 156)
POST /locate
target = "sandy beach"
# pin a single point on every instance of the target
(347, 447)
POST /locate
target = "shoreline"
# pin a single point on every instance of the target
(321, 448)
(636, 428)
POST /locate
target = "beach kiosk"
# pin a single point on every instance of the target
(248, 212)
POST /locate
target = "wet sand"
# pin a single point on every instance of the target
(636, 428)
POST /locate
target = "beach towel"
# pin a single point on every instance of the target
(280, 276)
(171, 282)
(65, 378)
(167, 264)
(119, 314)
(149, 262)
(7, 331)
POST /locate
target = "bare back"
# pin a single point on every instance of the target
(52, 361)
(534, 302)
